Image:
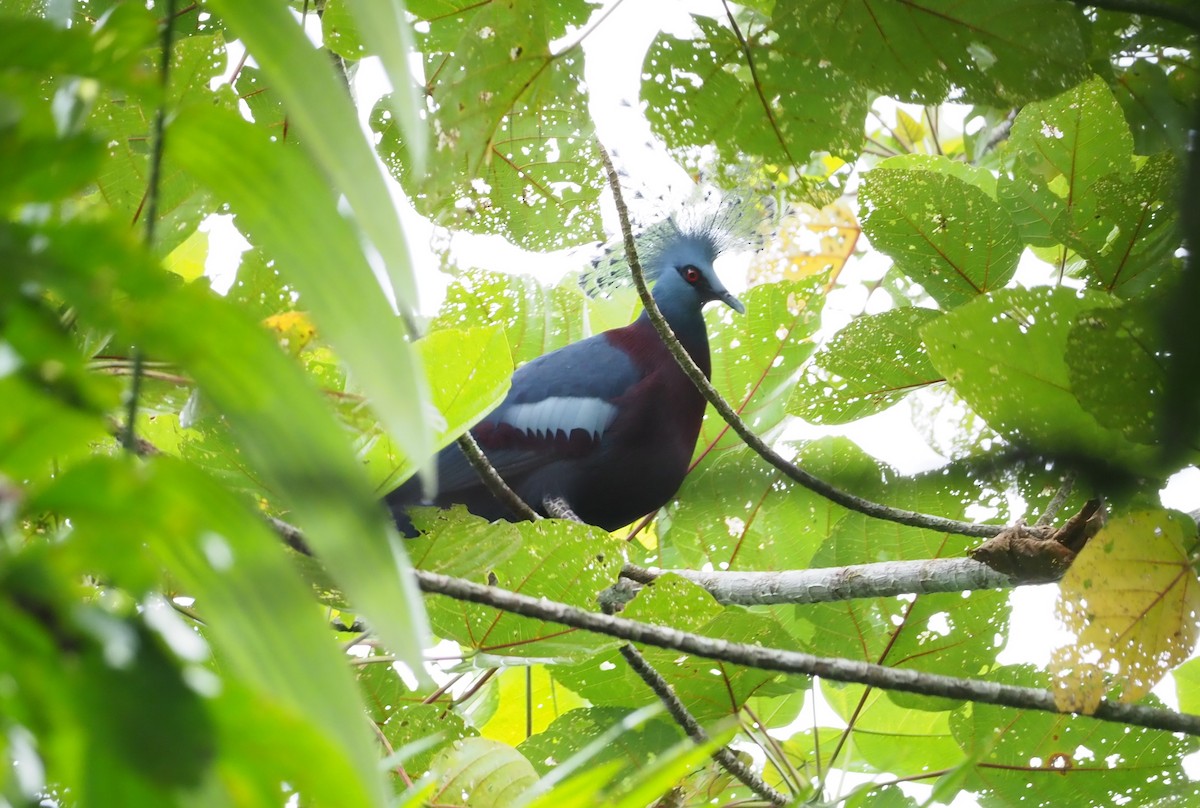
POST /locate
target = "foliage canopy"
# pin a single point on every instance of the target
(1023, 289)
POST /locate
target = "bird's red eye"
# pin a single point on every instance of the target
(691, 274)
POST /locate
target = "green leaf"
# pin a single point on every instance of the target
(481, 772)
(349, 305)
(867, 367)
(969, 173)
(890, 737)
(1061, 148)
(1126, 229)
(536, 319)
(921, 51)
(699, 93)
(472, 375)
(947, 235)
(1157, 114)
(577, 730)
(1005, 355)
(1049, 759)
(756, 357)
(258, 614)
(1115, 360)
(737, 512)
(266, 400)
(513, 150)
(709, 689)
(566, 562)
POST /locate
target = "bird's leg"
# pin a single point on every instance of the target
(559, 508)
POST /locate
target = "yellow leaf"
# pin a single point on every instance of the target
(1132, 600)
(909, 130)
(550, 700)
(810, 241)
(187, 260)
(293, 328)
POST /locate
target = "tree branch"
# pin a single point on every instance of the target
(1150, 8)
(492, 479)
(826, 585)
(793, 472)
(784, 661)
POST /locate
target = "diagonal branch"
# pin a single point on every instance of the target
(786, 661)
(793, 472)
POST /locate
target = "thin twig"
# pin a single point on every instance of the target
(724, 756)
(786, 661)
(492, 479)
(1057, 501)
(129, 437)
(804, 478)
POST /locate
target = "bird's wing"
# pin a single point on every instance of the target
(560, 405)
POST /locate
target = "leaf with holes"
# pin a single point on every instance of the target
(945, 234)
(1062, 147)
(481, 773)
(709, 688)
(923, 50)
(1125, 228)
(1005, 355)
(1019, 757)
(561, 561)
(870, 365)
(1132, 599)
(513, 152)
(738, 512)
(699, 92)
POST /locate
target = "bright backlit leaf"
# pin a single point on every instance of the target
(1132, 600)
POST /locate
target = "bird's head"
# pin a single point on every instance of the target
(677, 253)
(685, 272)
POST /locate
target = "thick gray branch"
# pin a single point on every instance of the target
(885, 579)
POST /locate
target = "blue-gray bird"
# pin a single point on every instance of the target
(607, 425)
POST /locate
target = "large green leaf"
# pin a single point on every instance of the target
(257, 612)
(947, 235)
(699, 93)
(1005, 354)
(1061, 148)
(127, 123)
(537, 319)
(710, 690)
(928, 50)
(756, 357)
(576, 730)
(268, 403)
(870, 365)
(737, 512)
(513, 152)
(1126, 228)
(1115, 361)
(322, 110)
(562, 561)
(242, 164)
(469, 377)
(1043, 759)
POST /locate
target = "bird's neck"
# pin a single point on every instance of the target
(687, 321)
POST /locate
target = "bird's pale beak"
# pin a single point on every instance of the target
(732, 302)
